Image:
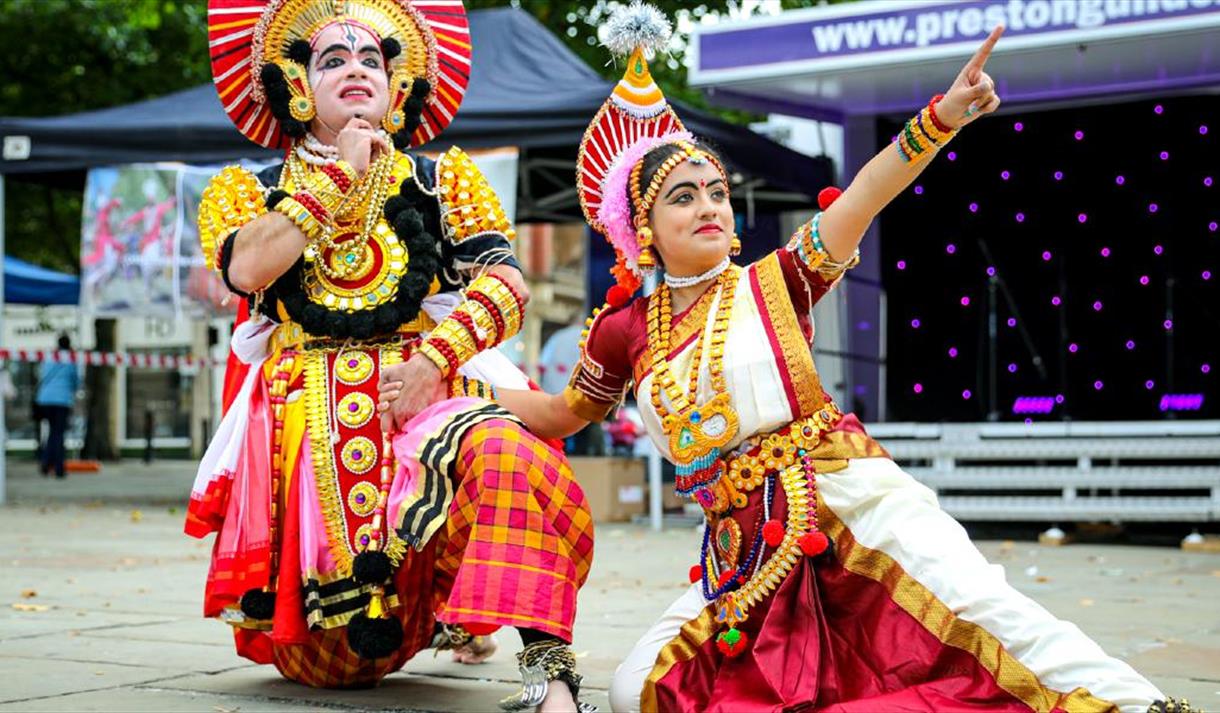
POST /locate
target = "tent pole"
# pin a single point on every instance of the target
(3, 419)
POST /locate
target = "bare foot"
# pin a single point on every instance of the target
(558, 699)
(478, 650)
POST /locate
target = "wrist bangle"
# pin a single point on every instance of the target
(935, 119)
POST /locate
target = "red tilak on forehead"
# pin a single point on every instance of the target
(703, 183)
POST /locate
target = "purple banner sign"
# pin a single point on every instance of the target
(924, 25)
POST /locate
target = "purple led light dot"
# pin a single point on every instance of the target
(1079, 135)
(1058, 175)
(1098, 385)
(1206, 274)
(1097, 306)
(952, 352)
(901, 264)
(990, 271)
(1012, 321)
(950, 248)
(915, 323)
(1120, 180)
(1081, 218)
(919, 190)
(1005, 175)
(917, 388)
(1020, 217)
(1168, 324)
(1046, 255)
(1105, 252)
(974, 207)
(1018, 126)
(952, 156)
(1203, 129)
(1206, 368)
(1130, 344)
(966, 395)
(1158, 249)
(1056, 301)
(1152, 207)
(1149, 384)
(1012, 368)
(1144, 279)
(1164, 155)
(965, 301)
(1073, 347)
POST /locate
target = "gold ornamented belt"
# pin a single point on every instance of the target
(758, 456)
(290, 335)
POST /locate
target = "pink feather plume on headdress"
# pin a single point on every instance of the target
(615, 211)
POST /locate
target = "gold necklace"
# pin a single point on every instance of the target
(350, 257)
(696, 432)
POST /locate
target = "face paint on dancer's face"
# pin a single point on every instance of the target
(348, 74)
(692, 219)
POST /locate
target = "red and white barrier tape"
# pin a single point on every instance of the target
(148, 361)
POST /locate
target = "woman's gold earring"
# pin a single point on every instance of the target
(646, 260)
(735, 246)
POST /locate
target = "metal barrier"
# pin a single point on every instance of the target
(1065, 472)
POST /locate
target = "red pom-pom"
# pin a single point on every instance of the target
(773, 533)
(828, 195)
(617, 296)
(732, 642)
(481, 629)
(696, 573)
(726, 577)
(813, 544)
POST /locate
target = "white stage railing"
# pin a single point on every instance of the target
(1065, 472)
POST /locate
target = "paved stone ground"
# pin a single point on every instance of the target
(100, 600)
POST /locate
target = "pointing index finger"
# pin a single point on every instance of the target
(979, 59)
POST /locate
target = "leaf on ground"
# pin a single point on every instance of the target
(1086, 602)
(29, 593)
(136, 516)
(30, 607)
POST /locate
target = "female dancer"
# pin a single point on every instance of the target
(828, 577)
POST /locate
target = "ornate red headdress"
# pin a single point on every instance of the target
(245, 37)
(634, 120)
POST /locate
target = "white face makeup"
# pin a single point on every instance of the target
(349, 76)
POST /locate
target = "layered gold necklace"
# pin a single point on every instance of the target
(696, 432)
(350, 259)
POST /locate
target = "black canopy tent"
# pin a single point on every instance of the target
(526, 90)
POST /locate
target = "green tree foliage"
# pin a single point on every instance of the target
(65, 56)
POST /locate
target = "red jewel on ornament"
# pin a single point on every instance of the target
(828, 195)
(696, 573)
(617, 296)
(726, 577)
(813, 544)
(773, 533)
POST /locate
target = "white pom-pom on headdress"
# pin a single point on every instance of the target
(637, 25)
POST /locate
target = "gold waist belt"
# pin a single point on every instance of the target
(290, 335)
(762, 455)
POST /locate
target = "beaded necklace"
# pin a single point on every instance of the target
(696, 432)
(364, 200)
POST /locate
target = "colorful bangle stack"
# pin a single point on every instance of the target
(491, 314)
(923, 134)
